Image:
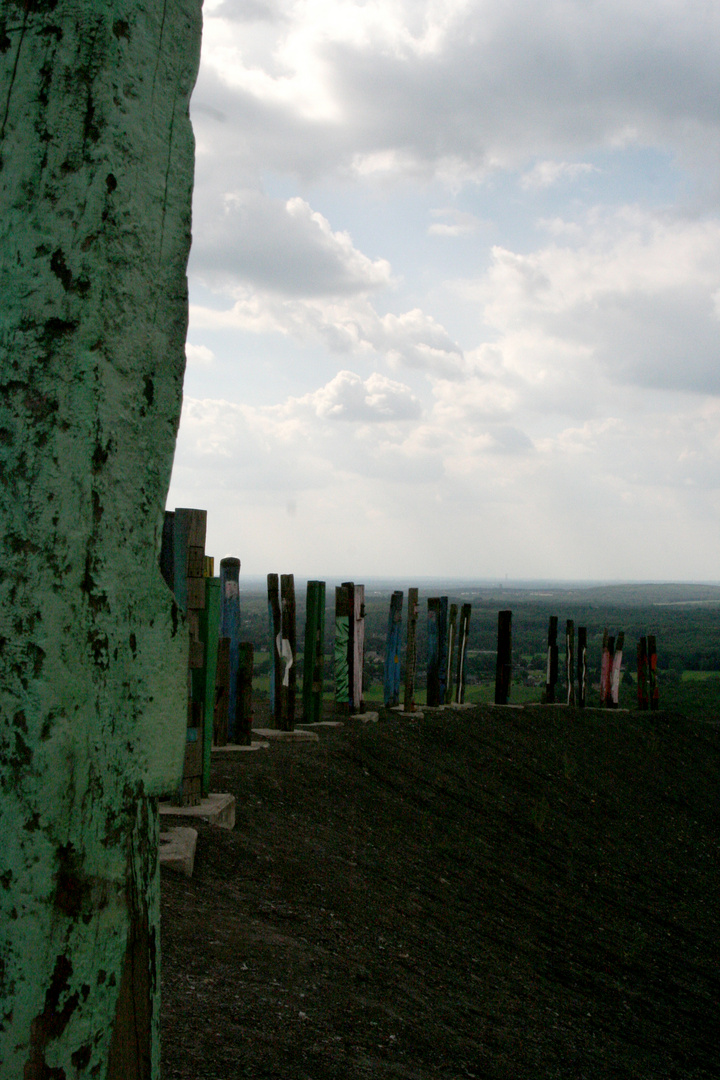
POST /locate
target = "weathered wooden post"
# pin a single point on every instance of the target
(230, 628)
(275, 646)
(452, 638)
(433, 652)
(96, 160)
(350, 586)
(222, 693)
(582, 667)
(357, 612)
(411, 652)
(391, 680)
(340, 654)
(570, 660)
(244, 706)
(552, 660)
(288, 653)
(463, 635)
(605, 668)
(314, 652)
(443, 648)
(503, 666)
(209, 630)
(652, 673)
(616, 670)
(642, 674)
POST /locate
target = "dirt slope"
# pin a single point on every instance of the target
(496, 894)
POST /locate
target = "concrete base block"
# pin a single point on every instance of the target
(417, 715)
(233, 748)
(177, 850)
(218, 809)
(299, 735)
(321, 724)
(367, 717)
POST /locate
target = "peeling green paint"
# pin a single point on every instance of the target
(96, 162)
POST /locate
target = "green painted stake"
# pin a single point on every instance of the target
(95, 201)
(209, 629)
(314, 653)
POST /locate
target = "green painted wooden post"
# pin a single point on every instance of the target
(503, 667)
(288, 653)
(463, 635)
(433, 652)
(275, 646)
(452, 638)
(96, 163)
(342, 632)
(652, 673)
(209, 629)
(552, 660)
(582, 668)
(570, 660)
(411, 652)
(642, 674)
(391, 680)
(314, 652)
(244, 714)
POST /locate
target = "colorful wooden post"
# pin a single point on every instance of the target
(275, 646)
(350, 586)
(616, 671)
(582, 667)
(570, 660)
(450, 668)
(314, 652)
(503, 666)
(391, 680)
(552, 660)
(357, 702)
(433, 652)
(642, 674)
(222, 693)
(605, 668)
(652, 673)
(411, 652)
(288, 653)
(243, 698)
(230, 628)
(95, 194)
(207, 676)
(463, 635)
(342, 634)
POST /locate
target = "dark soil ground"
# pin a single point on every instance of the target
(493, 893)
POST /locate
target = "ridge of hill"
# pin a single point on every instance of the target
(494, 893)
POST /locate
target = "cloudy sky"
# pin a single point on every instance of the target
(455, 288)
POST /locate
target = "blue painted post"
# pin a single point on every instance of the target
(433, 653)
(230, 628)
(391, 681)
